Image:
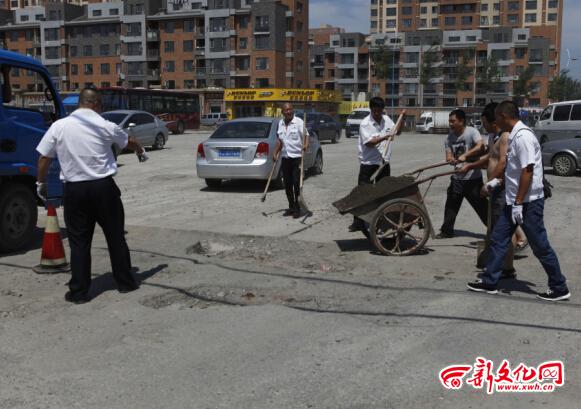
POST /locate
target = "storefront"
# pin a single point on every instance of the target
(241, 103)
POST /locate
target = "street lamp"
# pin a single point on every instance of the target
(569, 58)
(395, 44)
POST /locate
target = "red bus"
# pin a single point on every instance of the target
(180, 110)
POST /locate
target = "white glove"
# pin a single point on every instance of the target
(142, 156)
(41, 190)
(492, 184)
(517, 216)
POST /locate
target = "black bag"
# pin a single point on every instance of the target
(547, 188)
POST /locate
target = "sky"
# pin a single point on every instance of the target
(353, 16)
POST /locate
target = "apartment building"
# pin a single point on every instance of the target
(442, 51)
(341, 64)
(164, 43)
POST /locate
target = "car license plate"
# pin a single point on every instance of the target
(229, 153)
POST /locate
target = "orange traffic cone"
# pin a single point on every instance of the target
(53, 259)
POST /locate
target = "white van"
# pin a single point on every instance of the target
(561, 120)
(214, 118)
(354, 120)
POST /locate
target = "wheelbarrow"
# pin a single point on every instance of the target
(394, 211)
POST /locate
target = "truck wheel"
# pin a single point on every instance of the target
(18, 216)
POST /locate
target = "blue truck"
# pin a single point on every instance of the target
(22, 125)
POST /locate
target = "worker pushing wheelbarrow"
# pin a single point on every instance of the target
(394, 211)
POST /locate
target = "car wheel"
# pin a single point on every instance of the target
(544, 139)
(317, 168)
(213, 183)
(180, 129)
(18, 216)
(564, 165)
(159, 142)
(335, 138)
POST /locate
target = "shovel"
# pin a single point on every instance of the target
(386, 147)
(263, 198)
(302, 202)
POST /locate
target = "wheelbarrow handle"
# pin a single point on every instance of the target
(437, 175)
(437, 165)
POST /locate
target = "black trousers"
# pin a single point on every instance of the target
(291, 174)
(364, 178)
(457, 191)
(85, 204)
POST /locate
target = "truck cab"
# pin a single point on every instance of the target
(30, 104)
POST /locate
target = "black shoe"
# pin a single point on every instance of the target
(288, 212)
(443, 235)
(554, 295)
(76, 299)
(508, 273)
(479, 286)
(125, 290)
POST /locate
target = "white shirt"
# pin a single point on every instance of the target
(523, 150)
(82, 142)
(291, 136)
(369, 128)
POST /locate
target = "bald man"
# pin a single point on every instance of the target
(82, 143)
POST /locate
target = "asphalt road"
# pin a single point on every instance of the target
(242, 308)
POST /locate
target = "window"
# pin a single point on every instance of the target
(391, 11)
(406, 11)
(244, 22)
(520, 52)
(170, 66)
(113, 12)
(168, 46)
(407, 22)
(562, 113)
(188, 65)
(512, 19)
(188, 45)
(466, 20)
(88, 69)
(24, 18)
(73, 51)
(576, 113)
(133, 29)
(513, 6)
(74, 69)
(552, 17)
(450, 21)
(261, 42)
(52, 52)
(483, 21)
(484, 7)
(51, 34)
(435, 22)
(87, 50)
(134, 49)
(547, 113)
(262, 82)
(262, 63)
(105, 69)
(423, 10)
(471, 38)
(531, 5)
(104, 49)
(553, 4)
(454, 39)
(262, 24)
(243, 43)
(97, 13)
(170, 27)
(536, 55)
(496, 20)
(189, 26)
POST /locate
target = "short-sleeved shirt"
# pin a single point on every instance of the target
(459, 145)
(370, 128)
(83, 144)
(291, 136)
(523, 150)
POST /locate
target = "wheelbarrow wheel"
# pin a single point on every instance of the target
(400, 227)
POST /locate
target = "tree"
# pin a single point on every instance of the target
(564, 88)
(522, 87)
(489, 76)
(428, 69)
(383, 59)
(463, 71)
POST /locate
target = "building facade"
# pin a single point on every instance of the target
(171, 44)
(464, 52)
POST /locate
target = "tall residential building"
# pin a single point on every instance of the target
(164, 43)
(456, 42)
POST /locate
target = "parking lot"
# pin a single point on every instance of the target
(242, 308)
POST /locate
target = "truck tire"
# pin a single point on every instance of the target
(18, 216)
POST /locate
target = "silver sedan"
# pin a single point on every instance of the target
(563, 155)
(147, 129)
(243, 149)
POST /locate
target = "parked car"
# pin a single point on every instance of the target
(243, 149)
(563, 156)
(354, 121)
(147, 129)
(214, 118)
(324, 126)
(561, 120)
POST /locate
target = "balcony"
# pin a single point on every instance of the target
(264, 28)
(153, 54)
(220, 28)
(200, 71)
(152, 35)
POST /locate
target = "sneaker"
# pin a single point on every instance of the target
(480, 287)
(79, 299)
(508, 273)
(443, 235)
(553, 295)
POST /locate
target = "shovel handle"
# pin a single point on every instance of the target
(263, 198)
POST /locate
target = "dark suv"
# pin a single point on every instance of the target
(324, 126)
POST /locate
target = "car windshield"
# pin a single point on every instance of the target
(358, 115)
(114, 117)
(312, 118)
(242, 130)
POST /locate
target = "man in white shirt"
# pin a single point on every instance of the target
(523, 179)
(82, 143)
(293, 140)
(374, 132)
